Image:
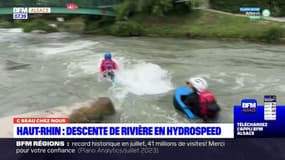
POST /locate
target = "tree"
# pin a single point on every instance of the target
(155, 7)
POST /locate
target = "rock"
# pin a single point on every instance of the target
(60, 19)
(93, 112)
(53, 25)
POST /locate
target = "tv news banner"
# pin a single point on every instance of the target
(253, 120)
(58, 136)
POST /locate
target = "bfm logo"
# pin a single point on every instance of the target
(20, 13)
(248, 105)
(20, 10)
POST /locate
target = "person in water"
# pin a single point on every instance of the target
(108, 66)
(201, 101)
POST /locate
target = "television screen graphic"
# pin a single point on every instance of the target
(142, 79)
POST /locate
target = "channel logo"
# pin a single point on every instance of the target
(266, 13)
(20, 13)
(248, 105)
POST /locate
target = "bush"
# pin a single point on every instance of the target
(278, 8)
(126, 8)
(182, 8)
(126, 28)
(155, 7)
(160, 7)
(100, 25)
(8, 25)
(38, 25)
(273, 33)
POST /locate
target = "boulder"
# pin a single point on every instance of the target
(93, 112)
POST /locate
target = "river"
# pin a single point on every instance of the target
(41, 71)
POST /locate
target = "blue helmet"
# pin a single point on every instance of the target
(108, 55)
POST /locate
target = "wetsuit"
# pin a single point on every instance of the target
(192, 101)
(108, 65)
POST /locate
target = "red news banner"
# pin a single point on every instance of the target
(40, 120)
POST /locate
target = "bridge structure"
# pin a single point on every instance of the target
(89, 7)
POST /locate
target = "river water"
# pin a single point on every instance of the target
(42, 71)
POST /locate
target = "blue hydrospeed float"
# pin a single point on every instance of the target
(179, 95)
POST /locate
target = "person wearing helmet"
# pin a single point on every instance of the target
(108, 66)
(201, 101)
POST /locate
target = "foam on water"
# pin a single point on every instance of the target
(78, 45)
(84, 65)
(12, 30)
(145, 79)
(282, 88)
(239, 83)
(207, 76)
(137, 77)
(11, 35)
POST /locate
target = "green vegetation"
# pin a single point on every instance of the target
(163, 18)
(98, 24)
(273, 33)
(196, 24)
(7, 22)
(38, 25)
(150, 7)
(225, 26)
(75, 25)
(7, 25)
(277, 7)
(126, 28)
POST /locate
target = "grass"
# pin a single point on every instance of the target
(7, 25)
(197, 24)
(210, 25)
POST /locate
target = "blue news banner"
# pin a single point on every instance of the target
(253, 120)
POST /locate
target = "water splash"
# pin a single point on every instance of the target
(135, 77)
(145, 79)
